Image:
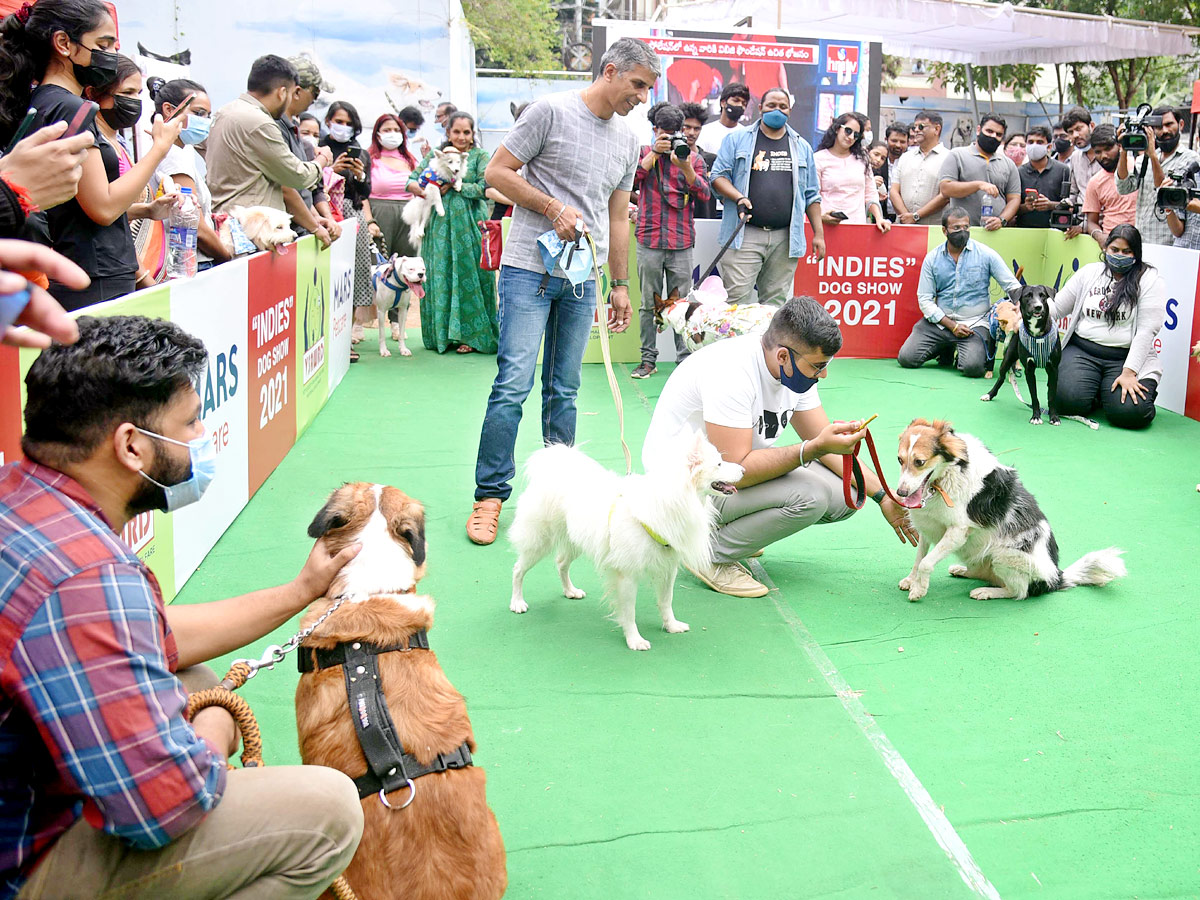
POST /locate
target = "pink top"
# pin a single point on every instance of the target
(388, 183)
(847, 184)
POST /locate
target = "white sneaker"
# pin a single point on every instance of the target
(732, 579)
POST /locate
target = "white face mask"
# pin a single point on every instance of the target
(1036, 152)
(868, 138)
(390, 140)
(341, 133)
(310, 140)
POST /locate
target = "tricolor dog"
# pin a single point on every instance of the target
(963, 501)
(374, 703)
(396, 282)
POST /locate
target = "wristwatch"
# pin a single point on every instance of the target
(878, 496)
(1003, 222)
(620, 282)
(916, 218)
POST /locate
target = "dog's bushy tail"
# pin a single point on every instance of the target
(414, 217)
(1098, 567)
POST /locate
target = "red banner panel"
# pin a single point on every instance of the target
(271, 337)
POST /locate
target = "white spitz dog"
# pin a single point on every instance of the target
(633, 528)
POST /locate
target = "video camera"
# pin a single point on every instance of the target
(1064, 215)
(1135, 124)
(1177, 197)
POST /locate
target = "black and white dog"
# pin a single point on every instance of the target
(963, 501)
(1036, 347)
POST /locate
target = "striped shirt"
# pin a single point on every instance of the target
(666, 217)
(91, 713)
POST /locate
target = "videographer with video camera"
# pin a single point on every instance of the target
(669, 176)
(1045, 182)
(1178, 197)
(1154, 135)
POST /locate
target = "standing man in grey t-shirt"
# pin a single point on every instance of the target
(568, 159)
(977, 176)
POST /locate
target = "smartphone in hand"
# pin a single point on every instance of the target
(82, 119)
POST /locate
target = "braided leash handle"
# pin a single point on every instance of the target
(242, 715)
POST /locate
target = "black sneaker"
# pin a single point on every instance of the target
(645, 370)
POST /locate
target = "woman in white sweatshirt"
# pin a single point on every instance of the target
(1114, 310)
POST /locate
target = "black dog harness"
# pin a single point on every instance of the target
(389, 767)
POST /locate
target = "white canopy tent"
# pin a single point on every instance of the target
(955, 31)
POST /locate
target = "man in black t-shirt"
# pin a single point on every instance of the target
(768, 171)
(1044, 175)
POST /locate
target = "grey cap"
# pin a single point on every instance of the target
(308, 75)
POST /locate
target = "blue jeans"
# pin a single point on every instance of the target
(526, 314)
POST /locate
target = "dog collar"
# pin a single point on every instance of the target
(654, 535)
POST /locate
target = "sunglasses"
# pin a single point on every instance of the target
(920, 126)
(850, 132)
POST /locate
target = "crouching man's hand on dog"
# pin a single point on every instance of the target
(897, 517)
(619, 311)
(320, 569)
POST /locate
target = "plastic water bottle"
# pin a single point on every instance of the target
(181, 236)
(986, 209)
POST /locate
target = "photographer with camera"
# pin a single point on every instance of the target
(1177, 197)
(1045, 182)
(669, 176)
(1155, 135)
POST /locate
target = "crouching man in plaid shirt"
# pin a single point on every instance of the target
(106, 790)
(666, 226)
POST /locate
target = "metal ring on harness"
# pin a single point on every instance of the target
(412, 793)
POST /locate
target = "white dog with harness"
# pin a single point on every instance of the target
(395, 283)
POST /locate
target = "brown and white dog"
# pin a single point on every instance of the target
(396, 282)
(963, 501)
(267, 228)
(444, 845)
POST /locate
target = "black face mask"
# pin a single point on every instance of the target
(100, 71)
(734, 112)
(125, 113)
(1108, 165)
(1062, 145)
(987, 143)
(1167, 142)
(958, 239)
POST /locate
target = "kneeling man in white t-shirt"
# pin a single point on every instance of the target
(743, 392)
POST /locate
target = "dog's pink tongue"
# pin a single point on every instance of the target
(418, 290)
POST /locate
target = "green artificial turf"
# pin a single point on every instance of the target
(1058, 734)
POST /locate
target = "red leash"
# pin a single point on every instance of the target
(859, 480)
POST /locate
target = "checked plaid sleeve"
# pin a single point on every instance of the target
(91, 673)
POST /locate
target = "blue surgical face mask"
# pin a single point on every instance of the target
(574, 258)
(775, 118)
(196, 130)
(203, 455)
(1120, 264)
(796, 381)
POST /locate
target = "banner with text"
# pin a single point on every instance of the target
(268, 366)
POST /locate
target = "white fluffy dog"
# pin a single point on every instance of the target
(445, 167)
(267, 228)
(633, 528)
(396, 282)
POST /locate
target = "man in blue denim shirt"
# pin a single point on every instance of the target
(953, 294)
(767, 171)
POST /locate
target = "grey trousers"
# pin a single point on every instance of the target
(929, 340)
(660, 272)
(763, 262)
(760, 515)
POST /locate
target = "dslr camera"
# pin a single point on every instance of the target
(1135, 124)
(1177, 197)
(680, 148)
(1064, 215)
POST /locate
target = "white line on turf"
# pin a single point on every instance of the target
(935, 820)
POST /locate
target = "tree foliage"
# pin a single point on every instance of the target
(522, 35)
(1122, 83)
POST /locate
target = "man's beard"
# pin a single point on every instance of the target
(149, 496)
(1109, 165)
